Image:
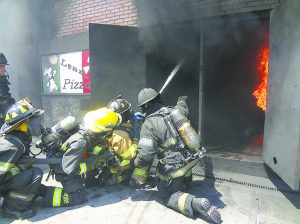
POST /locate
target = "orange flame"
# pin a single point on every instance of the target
(260, 92)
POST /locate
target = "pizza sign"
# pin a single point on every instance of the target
(66, 73)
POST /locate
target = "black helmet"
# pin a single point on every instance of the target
(119, 105)
(146, 95)
(19, 112)
(3, 60)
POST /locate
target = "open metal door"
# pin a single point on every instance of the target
(282, 124)
(117, 63)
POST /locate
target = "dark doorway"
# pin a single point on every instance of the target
(173, 43)
(232, 122)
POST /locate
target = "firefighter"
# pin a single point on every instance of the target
(80, 153)
(19, 185)
(123, 143)
(5, 97)
(174, 168)
(124, 140)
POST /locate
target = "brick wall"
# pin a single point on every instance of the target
(66, 17)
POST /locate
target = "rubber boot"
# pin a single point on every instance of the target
(66, 199)
(25, 214)
(76, 198)
(204, 208)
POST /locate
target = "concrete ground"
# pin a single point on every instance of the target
(239, 204)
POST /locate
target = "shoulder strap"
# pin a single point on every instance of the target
(162, 112)
(126, 129)
(11, 137)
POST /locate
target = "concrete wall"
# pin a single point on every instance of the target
(282, 124)
(73, 16)
(59, 106)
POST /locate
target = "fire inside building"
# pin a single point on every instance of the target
(225, 54)
(238, 66)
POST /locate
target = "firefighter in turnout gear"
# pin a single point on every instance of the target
(80, 153)
(176, 154)
(5, 97)
(19, 184)
(124, 140)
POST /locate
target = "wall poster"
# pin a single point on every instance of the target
(67, 73)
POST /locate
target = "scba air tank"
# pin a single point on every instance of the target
(67, 124)
(185, 130)
(60, 130)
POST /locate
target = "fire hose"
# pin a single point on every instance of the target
(55, 161)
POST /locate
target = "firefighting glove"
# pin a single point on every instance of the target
(136, 184)
(182, 98)
(137, 119)
(137, 116)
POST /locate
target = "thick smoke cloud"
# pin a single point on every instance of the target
(21, 28)
(157, 20)
(171, 31)
(19, 34)
(14, 39)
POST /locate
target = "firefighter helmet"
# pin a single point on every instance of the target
(101, 120)
(146, 95)
(119, 105)
(18, 113)
(3, 60)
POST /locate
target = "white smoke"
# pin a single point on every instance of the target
(22, 27)
(15, 40)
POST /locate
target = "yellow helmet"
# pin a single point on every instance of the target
(101, 120)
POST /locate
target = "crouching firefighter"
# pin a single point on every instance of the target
(167, 133)
(19, 185)
(123, 143)
(124, 140)
(80, 153)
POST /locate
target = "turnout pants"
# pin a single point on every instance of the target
(185, 203)
(21, 189)
(72, 193)
(174, 197)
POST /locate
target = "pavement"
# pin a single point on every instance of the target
(239, 203)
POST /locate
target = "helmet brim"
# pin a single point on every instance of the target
(129, 106)
(142, 104)
(7, 128)
(116, 110)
